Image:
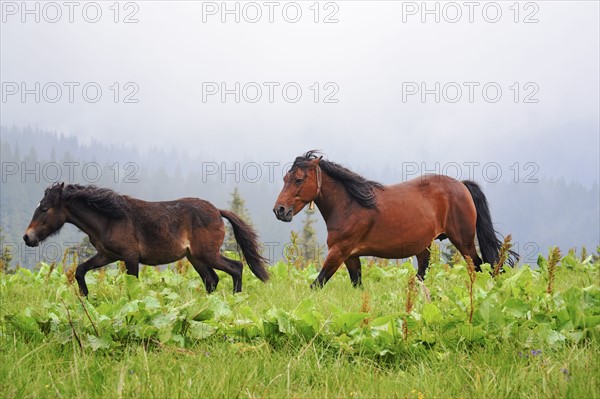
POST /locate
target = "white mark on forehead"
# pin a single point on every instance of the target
(39, 203)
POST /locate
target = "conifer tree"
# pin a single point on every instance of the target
(308, 238)
(5, 254)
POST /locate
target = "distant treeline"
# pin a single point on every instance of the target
(539, 215)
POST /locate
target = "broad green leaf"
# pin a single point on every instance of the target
(574, 336)
(516, 307)
(591, 321)
(591, 297)
(165, 320)
(550, 336)
(104, 342)
(219, 307)
(346, 322)
(487, 313)
(573, 296)
(133, 286)
(200, 330)
(25, 324)
(431, 314)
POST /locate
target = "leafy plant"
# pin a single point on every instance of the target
(165, 308)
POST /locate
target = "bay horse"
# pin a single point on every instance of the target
(366, 218)
(153, 233)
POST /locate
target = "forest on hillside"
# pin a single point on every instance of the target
(550, 212)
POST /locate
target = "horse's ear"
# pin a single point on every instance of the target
(62, 185)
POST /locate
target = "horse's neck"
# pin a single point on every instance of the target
(334, 198)
(85, 219)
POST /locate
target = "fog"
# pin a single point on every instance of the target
(368, 55)
(381, 87)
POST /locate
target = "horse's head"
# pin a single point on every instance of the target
(48, 217)
(301, 185)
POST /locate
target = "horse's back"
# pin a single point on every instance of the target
(411, 214)
(176, 220)
(199, 211)
(427, 189)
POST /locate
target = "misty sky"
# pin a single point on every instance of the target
(369, 61)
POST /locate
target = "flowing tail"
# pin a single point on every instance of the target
(489, 244)
(248, 242)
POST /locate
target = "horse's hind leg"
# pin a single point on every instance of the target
(464, 241)
(232, 267)
(207, 274)
(207, 253)
(423, 262)
(354, 270)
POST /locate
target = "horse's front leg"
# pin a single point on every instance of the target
(94, 262)
(132, 267)
(423, 261)
(354, 270)
(334, 259)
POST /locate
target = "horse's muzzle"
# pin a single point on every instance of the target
(283, 214)
(30, 241)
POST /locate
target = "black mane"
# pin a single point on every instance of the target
(104, 200)
(359, 188)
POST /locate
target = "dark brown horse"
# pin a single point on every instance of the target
(365, 218)
(153, 233)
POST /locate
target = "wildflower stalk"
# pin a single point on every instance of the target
(71, 270)
(365, 307)
(182, 266)
(472, 276)
(504, 251)
(411, 293)
(102, 275)
(584, 253)
(64, 258)
(435, 253)
(456, 258)
(50, 271)
(553, 260)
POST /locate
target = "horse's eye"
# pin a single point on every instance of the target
(299, 181)
(44, 209)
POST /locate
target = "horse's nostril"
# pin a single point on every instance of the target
(279, 211)
(26, 238)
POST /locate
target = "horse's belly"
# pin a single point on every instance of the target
(162, 254)
(155, 261)
(396, 243)
(401, 251)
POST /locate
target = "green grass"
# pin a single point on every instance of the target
(218, 369)
(226, 366)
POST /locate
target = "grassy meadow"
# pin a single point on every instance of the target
(527, 333)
